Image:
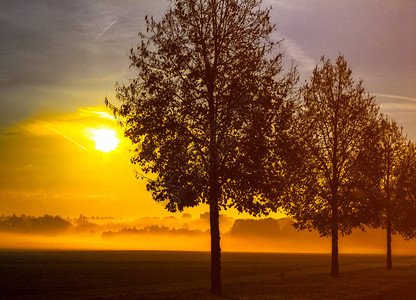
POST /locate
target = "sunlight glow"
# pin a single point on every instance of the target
(105, 139)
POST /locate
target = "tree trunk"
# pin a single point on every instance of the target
(213, 198)
(334, 235)
(389, 262)
(215, 250)
(214, 192)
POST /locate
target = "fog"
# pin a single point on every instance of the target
(187, 233)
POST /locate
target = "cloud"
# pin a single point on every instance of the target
(397, 108)
(51, 59)
(303, 61)
(94, 112)
(412, 99)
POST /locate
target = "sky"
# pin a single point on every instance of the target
(60, 59)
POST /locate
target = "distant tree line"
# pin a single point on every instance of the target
(153, 229)
(47, 224)
(215, 117)
(29, 224)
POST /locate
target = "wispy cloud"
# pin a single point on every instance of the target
(395, 97)
(398, 107)
(92, 111)
(304, 62)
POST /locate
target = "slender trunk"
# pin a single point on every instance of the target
(214, 192)
(215, 250)
(213, 198)
(388, 211)
(334, 195)
(389, 262)
(334, 235)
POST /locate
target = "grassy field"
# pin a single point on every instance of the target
(185, 275)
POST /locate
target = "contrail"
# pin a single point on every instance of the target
(107, 28)
(68, 138)
(61, 134)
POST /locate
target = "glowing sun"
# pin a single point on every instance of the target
(105, 139)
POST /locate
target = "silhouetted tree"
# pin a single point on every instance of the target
(336, 126)
(406, 223)
(206, 112)
(395, 185)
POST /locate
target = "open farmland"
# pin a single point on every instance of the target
(185, 275)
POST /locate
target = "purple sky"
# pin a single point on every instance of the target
(51, 58)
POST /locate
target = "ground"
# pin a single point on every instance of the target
(185, 275)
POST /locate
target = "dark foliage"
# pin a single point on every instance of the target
(394, 181)
(336, 128)
(206, 88)
(406, 222)
(208, 112)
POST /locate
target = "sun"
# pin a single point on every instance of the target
(105, 139)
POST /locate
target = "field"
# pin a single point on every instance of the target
(185, 275)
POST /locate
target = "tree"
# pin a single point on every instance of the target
(394, 196)
(207, 112)
(406, 223)
(336, 127)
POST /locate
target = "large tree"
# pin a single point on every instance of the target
(393, 197)
(207, 112)
(336, 126)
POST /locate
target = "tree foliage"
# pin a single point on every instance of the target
(336, 128)
(394, 162)
(206, 89)
(208, 110)
(406, 221)
(393, 196)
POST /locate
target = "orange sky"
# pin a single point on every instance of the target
(51, 165)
